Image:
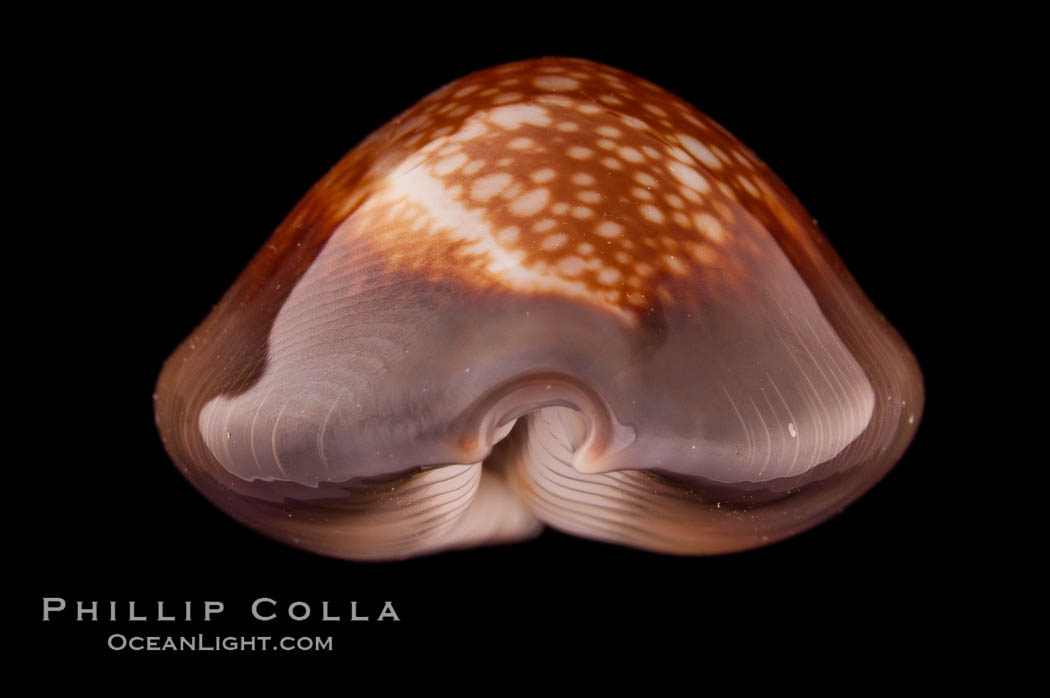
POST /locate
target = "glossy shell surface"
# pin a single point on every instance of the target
(549, 293)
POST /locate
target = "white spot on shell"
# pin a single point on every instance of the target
(702, 253)
(553, 242)
(506, 97)
(463, 92)
(633, 122)
(652, 213)
(792, 430)
(512, 191)
(541, 176)
(644, 178)
(514, 115)
(609, 229)
(555, 83)
(450, 164)
(727, 191)
(746, 183)
(578, 152)
(679, 154)
(700, 151)
(675, 265)
(484, 188)
(555, 100)
(530, 203)
(630, 154)
(690, 118)
(571, 266)
(710, 227)
(690, 194)
(508, 235)
(688, 176)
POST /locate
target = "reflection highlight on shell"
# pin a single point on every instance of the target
(548, 293)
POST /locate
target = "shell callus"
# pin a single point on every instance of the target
(548, 293)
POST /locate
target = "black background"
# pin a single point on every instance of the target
(172, 154)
